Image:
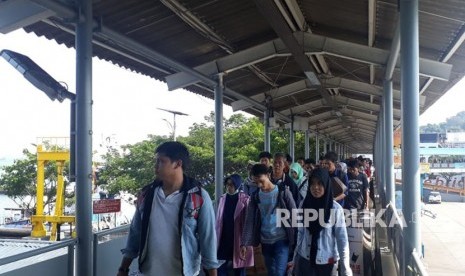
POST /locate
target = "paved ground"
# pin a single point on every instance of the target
(444, 239)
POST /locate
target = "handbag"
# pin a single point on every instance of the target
(338, 186)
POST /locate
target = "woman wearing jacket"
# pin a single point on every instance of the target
(322, 242)
(229, 227)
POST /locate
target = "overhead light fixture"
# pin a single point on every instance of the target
(52, 88)
(37, 76)
(422, 100)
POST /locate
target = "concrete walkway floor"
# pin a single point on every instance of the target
(444, 239)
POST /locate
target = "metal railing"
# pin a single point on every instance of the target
(417, 267)
(107, 236)
(396, 243)
(35, 252)
(113, 231)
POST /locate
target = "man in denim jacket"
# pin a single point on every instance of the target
(173, 228)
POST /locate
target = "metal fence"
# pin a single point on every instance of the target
(107, 251)
(42, 250)
(106, 255)
(396, 243)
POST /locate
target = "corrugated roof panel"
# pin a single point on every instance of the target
(436, 35)
(386, 22)
(236, 20)
(348, 16)
(453, 10)
(241, 25)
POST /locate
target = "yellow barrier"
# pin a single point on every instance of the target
(38, 220)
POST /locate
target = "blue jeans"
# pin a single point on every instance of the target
(276, 256)
(227, 267)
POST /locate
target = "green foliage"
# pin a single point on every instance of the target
(19, 179)
(132, 167)
(242, 142)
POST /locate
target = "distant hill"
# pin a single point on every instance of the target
(453, 124)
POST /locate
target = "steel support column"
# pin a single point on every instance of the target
(381, 146)
(219, 89)
(389, 136)
(380, 151)
(72, 142)
(84, 248)
(409, 46)
(317, 148)
(266, 125)
(376, 158)
(291, 139)
(307, 144)
(383, 150)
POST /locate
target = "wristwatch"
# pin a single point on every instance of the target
(125, 270)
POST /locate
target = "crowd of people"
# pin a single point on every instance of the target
(176, 231)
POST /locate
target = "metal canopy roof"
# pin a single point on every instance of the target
(322, 61)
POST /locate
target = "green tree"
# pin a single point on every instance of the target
(132, 167)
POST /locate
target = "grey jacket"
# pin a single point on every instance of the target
(197, 228)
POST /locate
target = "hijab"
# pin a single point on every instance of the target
(236, 180)
(343, 167)
(300, 173)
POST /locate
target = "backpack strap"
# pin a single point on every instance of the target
(281, 195)
(255, 196)
(302, 184)
(197, 198)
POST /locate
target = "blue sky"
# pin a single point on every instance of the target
(125, 103)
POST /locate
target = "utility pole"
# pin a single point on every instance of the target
(173, 126)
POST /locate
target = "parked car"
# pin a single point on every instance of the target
(434, 197)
